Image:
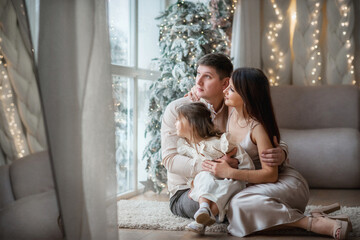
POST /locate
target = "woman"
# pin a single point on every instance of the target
(281, 200)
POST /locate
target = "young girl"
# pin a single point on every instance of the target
(201, 141)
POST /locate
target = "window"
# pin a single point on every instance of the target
(133, 39)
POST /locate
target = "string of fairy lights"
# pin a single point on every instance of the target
(10, 111)
(315, 49)
(344, 23)
(276, 56)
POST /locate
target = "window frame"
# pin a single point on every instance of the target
(135, 73)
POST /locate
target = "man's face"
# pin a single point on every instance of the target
(208, 83)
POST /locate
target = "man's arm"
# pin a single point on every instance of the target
(276, 156)
(174, 162)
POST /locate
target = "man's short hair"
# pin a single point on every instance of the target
(219, 61)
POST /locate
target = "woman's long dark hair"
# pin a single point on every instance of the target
(199, 117)
(253, 87)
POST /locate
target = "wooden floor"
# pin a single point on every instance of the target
(350, 198)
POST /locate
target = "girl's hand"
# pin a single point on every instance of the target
(220, 168)
(192, 94)
(233, 162)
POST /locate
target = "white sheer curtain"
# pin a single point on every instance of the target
(246, 38)
(76, 86)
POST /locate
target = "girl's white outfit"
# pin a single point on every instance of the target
(205, 184)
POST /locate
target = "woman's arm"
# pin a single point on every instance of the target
(267, 174)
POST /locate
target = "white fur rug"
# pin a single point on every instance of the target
(141, 214)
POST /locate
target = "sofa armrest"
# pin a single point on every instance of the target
(31, 175)
(6, 194)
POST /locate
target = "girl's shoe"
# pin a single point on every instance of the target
(196, 227)
(204, 216)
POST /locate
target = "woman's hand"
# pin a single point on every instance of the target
(220, 168)
(274, 156)
(192, 94)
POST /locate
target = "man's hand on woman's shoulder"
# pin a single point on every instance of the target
(273, 156)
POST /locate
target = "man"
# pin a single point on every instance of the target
(213, 75)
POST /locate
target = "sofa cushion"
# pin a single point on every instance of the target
(327, 158)
(32, 217)
(31, 175)
(304, 107)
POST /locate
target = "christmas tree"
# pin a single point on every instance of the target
(186, 34)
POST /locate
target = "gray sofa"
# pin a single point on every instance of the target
(28, 205)
(321, 127)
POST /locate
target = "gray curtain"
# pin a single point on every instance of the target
(245, 38)
(76, 87)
